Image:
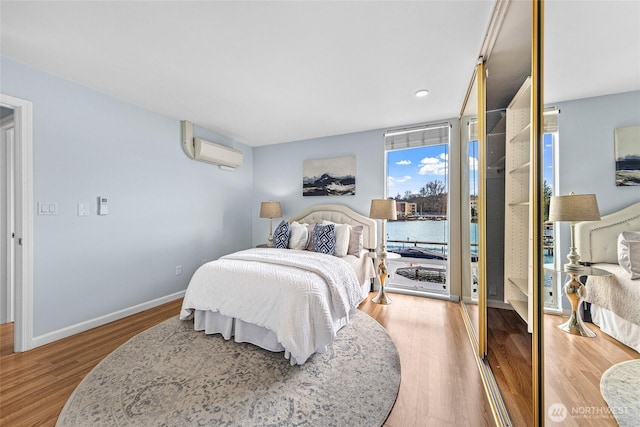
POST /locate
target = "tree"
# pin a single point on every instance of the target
(434, 188)
(547, 193)
(434, 191)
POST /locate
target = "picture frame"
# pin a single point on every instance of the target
(627, 155)
(329, 177)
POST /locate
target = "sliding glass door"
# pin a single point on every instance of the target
(418, 179)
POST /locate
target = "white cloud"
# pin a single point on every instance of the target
(403, 162)
(473, 163)
(392, 180)
(434, 165)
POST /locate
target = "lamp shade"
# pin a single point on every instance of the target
(383, 209)
(574, 208)
(270, 210)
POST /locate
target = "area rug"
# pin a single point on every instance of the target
(171, 375)
(619, 386)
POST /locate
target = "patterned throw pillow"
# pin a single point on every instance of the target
(281, 235)
(324, 238)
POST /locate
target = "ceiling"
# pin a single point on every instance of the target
(267, 72)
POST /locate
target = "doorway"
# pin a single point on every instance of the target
(417, 172)
(16, 218)
(7, 150)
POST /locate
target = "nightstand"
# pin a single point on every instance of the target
(381, 272)
(574, 290)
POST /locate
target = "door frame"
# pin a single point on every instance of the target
(23, 241)
(7, 127)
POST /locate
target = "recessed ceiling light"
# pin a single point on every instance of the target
(422, 92)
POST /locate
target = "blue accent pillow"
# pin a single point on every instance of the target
(281, 235)
(324, 239)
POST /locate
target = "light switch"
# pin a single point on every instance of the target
(83, 209)
(46, 208)
(43, 208)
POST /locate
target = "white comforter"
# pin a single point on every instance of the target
(617, 293)
(304, 297)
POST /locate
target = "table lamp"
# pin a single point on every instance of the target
(573, 208)
(383, 209)
(270, 210)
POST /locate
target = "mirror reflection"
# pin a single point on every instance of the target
(603, 49)
(469, 168)
(509, 288)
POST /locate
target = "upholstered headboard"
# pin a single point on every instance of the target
(340, 214)
(597, 241)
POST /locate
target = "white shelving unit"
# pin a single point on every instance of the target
(518, 209)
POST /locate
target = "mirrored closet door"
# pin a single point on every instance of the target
(504, 317)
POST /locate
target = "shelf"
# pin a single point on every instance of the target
(522, 99)
(498, 165)
(518, 211)
(524, 168)
(523, 136)
(520, 283)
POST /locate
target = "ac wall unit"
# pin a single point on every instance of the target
(207, 151)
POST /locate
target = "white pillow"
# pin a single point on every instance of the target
(629, 252)
(355, 240)
(299, 236)
(342, 238)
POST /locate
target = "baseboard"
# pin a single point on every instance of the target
(102, 320)
(453, 298)
(499, 304)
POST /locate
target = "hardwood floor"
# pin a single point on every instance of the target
(509, 355)
(572, 372)
(35, 385)
(440, 384)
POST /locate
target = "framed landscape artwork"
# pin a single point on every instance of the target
(329, 177)
(627, 142)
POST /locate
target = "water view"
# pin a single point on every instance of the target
(429, 273)
(423, 245)
(403, 234)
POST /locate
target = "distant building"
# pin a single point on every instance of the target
(405, 209)
(473, 204)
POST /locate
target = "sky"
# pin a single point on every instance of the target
(411, 169)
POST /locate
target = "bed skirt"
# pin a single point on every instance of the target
(215, 323)
(615, 326)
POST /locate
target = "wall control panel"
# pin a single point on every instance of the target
(103, 205)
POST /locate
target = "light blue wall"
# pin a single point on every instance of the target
(165, 209)
(586, 156)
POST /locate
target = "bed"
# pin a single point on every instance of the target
(614, 300)
(292, 298)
